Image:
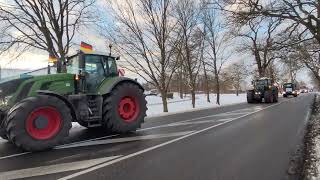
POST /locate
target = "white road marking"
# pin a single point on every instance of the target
(104, 137)
(51, 169)
(199, 122)
(186, 122)
(158, 146)
(127, 139)
(14, 155)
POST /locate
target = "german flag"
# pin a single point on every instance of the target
(52, 59)
(85, 47)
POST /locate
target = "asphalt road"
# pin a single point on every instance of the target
(237, 142)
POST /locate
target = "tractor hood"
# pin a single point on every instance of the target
(8, 87)
(14, 90)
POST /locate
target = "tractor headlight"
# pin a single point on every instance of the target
(258, 93)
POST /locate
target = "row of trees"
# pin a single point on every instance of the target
(164, 38)
(183, 40)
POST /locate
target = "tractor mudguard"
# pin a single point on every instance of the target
(62, 98)
(108, 84)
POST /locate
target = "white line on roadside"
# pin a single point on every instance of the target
(186, 122)
(51, 169)
(158, 146)
(14, 155)
(127, 139)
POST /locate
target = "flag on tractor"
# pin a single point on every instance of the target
(85, 47)
(52, 59)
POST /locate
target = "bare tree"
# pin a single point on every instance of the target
(46, 25)
(145, 37)
(187, 14)
(301, 21)
(217, 39)
(237, 73)
(259, 36)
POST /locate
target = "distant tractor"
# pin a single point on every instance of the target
(263, 89)
(290, 89)
(37, 111)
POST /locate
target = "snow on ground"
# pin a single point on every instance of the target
(179, 105)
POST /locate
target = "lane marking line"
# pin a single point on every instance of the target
(51, 169)
(14, 155)
(158, 146)
(127, 139)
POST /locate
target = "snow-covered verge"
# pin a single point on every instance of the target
(179, 105)
(311, 155)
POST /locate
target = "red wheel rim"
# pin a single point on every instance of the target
(128, 108)
(51, 123)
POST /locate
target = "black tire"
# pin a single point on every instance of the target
(4, 136)
(268, 97)
(112, 120)
(3, 133)
(276, 97)
(30, 111)
(250, 97)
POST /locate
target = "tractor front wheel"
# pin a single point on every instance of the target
(38, 123)
(124, 109)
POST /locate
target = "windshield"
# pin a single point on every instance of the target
(287, 85)
(261, 82)
(73, 65)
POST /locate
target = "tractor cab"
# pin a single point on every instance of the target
(262, 84)
(91, 69)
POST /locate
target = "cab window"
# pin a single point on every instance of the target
(94, 65)
(73, 65)
(111, 66)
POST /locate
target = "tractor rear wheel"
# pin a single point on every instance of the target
(250, 96)
(268, 97)
(124, 109)
(4, 136)
(276, 97)
(3, 133)
(38, 123)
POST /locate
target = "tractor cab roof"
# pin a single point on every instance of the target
(93, 53)
(264, 78)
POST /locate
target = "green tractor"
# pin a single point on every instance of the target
(262, 89)
(37, 111)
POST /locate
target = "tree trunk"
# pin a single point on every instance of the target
(207, 90)
(180, 85)
(193, 97)
(164, 100)
(237, 92)
(217, 88)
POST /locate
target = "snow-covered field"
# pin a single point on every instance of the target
(179, 105)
